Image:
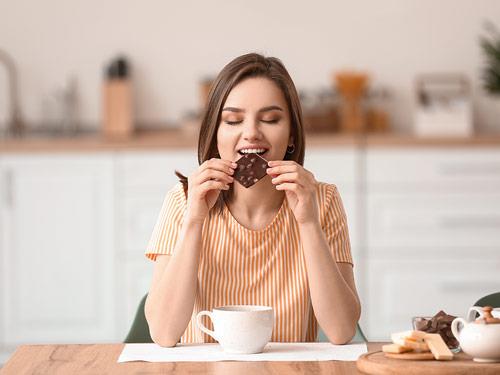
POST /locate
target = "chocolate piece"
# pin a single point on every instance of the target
(251, 168)
(439, 323)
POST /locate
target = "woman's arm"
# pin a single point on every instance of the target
(170, 301)
(333, 292)
(171, 297)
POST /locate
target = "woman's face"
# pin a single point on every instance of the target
(255, 118)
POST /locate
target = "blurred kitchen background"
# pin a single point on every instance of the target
(100, 102)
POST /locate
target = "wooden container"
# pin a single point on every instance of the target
(117, 109)
(352, 87)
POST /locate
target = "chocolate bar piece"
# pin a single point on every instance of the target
(439, 323)
(251, 168)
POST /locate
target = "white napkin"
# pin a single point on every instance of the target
(273, 351)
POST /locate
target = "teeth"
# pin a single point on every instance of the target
(253, 150)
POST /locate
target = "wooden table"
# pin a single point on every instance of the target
(101, 359)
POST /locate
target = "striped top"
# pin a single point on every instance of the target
(239, 266)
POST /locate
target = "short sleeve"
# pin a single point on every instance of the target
(334, 223)
(168, 224)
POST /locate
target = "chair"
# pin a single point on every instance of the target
(492, 300)
(139, 331)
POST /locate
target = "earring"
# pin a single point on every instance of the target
(290, 149)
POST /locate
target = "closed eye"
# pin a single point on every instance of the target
(234, 122)
(264, 121)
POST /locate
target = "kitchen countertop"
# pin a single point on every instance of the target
(176, 139)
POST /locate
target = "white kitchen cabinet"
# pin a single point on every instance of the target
(142, 180)
(443, 218)
(432, 219)
(338, 166)
(425, 169)
(57, 250)
(402, 287)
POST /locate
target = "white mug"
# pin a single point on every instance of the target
(471, 314)
(240, 329)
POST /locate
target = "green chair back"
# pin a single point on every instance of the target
(492, 300)
(139, 331)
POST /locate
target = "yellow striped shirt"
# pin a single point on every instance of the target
(239, 266)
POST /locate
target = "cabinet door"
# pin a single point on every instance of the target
(142, 181)
(338, 167)
(57, 249)
(400, 289)
(428, 169)
(444, 218)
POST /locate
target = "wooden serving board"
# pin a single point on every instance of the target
(411, 356)
(376, 363)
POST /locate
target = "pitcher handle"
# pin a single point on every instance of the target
(455, 329)
(471, 315)
(200, 325)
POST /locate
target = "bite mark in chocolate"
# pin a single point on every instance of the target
(251, 168)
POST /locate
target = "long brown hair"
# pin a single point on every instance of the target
(239, 69)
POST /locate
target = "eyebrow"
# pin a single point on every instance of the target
(264, 109)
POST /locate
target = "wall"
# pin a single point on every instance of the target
(174, 44)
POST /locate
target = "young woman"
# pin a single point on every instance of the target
(282, 242)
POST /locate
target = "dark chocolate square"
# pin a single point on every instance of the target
(251, 168)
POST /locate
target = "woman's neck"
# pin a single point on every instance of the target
(255, 206)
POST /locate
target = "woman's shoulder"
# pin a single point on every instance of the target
(176, 195)
(330, 203)
(326, 192)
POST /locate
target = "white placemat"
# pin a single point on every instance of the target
(213, 352)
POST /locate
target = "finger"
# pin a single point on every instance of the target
(289, 186)
(213, 185)
(282, 169)
(286, 177)
(212, 174)
(274, 163)
(220, 165)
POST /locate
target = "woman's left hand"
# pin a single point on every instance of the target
(300, 188)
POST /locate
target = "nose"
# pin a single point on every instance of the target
(251, 130)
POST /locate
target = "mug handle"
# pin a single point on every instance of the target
(202, 327)
(455, 328)
(471, 315)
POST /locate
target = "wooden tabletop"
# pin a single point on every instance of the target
(102, 359)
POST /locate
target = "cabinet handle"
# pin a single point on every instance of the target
(470, 222)
(470, 169)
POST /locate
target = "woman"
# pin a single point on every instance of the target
(282, 242)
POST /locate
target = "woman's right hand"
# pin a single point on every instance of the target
(205, 185)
